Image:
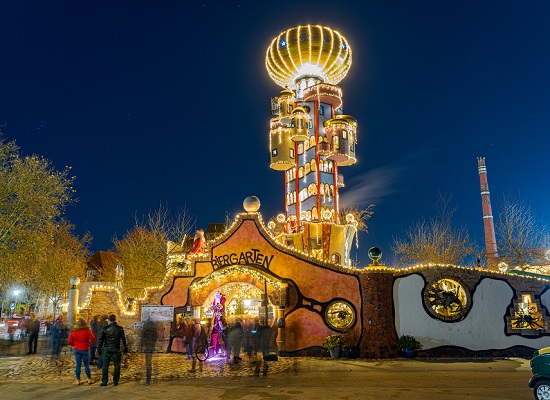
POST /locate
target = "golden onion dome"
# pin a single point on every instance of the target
(308, 50)
(341, 119)
(349, 119)
(287, 93)
(299, 110)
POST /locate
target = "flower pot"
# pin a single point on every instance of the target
(335, 352)
(409, 353)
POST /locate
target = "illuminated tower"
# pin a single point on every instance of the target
(488, 225)
(310, 138)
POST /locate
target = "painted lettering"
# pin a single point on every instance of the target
(252, 257)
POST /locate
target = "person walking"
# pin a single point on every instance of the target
(113, 343)
(33, 329)
(103, 323)
(94, 324)
(148, 339)
(81, 338)
(234, 341)
(59, 335)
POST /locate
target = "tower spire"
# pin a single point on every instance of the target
(488, 224)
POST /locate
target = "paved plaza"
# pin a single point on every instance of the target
(174, 375)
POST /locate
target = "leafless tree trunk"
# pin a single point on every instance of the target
(143, 253)
(522, 239)
(435, 241)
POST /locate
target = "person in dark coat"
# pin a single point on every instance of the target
(148, 339)
(113, 343)
(234, 341)
(33, 328)
(103, 322)
(95, 327)
(60, 332)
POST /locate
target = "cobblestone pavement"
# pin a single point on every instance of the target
(36, 368)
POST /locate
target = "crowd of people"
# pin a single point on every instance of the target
(101, 341)
(227, 339)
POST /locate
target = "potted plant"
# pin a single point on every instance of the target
(332, 343)
(408, 345)
(350, 341)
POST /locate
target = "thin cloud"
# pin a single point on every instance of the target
(374, 186)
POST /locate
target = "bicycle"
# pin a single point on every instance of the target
(205, 350)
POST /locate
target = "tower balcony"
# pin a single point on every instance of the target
(324, 93)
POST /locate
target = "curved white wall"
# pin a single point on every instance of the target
(482, 329)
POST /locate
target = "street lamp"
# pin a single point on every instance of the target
(16, 293)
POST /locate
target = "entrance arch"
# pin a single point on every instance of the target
(201, 289)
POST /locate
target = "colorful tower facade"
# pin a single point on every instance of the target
(488, 224)
(310, 138)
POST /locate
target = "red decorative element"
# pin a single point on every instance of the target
(199, 243)
(326, 240)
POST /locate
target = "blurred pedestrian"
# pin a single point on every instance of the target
(113, 343)
(81, 338)
(103, 323)
(148, 339)
(192, 337)
(33, 328)
(234, 341)
(59, 335)
(95, 328)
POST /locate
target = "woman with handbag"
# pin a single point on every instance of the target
(81, 338)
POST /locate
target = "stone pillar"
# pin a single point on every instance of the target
(72, 309)
(281, 330)
(197, 312)
(379, 339)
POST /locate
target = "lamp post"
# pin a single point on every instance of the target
(16, 293)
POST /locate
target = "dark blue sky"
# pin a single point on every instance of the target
(168, 102)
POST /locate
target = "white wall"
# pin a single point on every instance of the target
(482, 329)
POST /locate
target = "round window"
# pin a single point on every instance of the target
(447, 299)
(340, 315)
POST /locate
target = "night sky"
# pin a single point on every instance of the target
(169, 102)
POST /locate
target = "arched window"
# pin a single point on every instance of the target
(335, 142)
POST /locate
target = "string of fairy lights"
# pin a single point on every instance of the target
(308, 50)
(128, 308)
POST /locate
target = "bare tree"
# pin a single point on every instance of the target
(361, 215)
(522, 238)
(142, 252)
(436, 240)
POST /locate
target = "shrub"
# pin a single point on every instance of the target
(409, 342)
(332, 341)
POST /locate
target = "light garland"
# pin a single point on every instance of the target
(329, 60)
(233, 270)
(104, 287)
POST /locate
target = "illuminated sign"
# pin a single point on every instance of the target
(252, 257)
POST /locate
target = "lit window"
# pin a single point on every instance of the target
(274, 153)
(344, 134)
(282, 43)
(291, 153)
(321, 110)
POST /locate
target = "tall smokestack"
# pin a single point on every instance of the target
(488, 224)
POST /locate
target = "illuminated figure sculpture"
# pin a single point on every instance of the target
(218, 320)
(310, 138)
(199, 243)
